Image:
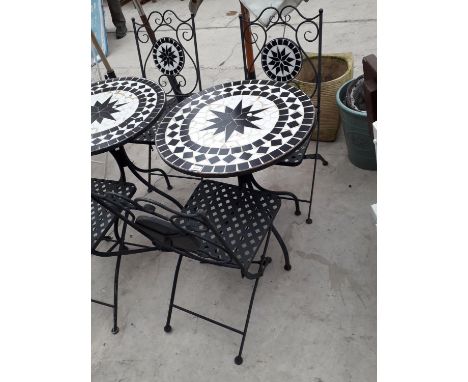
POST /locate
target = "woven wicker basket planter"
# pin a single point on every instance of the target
(336, 70)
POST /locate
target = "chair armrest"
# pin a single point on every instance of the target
(163, 232)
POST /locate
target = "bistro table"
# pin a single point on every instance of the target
(235, 129)
(122, 109)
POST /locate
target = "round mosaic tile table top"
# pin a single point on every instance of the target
(235, 128)
(121, 109)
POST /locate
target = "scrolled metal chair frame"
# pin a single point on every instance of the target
(184, 32)
(124, 209)
(118, 249)
(281, 17)
(175, 86)
(192, 224)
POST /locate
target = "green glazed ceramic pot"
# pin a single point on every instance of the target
(361, 149)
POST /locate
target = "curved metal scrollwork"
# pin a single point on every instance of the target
(172, 44)
(305, 35)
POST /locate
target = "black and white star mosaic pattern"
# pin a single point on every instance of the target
(234, 119)
(106, 109)
(235, 128)
(168, 55)
(281, 59)
(121, 109)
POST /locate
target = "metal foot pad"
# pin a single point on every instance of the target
(115, 330)
(238, 360)
(297, 212)
(309, 221)
(168, 328)
(287, 267)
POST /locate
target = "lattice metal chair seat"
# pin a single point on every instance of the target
(101, 218)
(148, 136)
(242, 218)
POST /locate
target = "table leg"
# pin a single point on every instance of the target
(249, 182)
(244, 180)
(123, 161)
(121, 165)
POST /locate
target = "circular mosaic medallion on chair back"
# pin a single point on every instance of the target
(168, 55)
(281, 59)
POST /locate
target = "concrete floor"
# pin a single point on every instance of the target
(316, 323)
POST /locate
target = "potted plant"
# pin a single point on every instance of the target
(350, 101)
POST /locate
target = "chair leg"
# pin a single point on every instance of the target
(115, 329)
(287, 193)
(116, 230)
(149, 166)
(168, 327)
(121, 239)
(238, 359)
(287, 265)
(316, 156)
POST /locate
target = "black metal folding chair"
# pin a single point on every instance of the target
(221, 224)
(167, 50)
(281, 59)
(102, 221)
